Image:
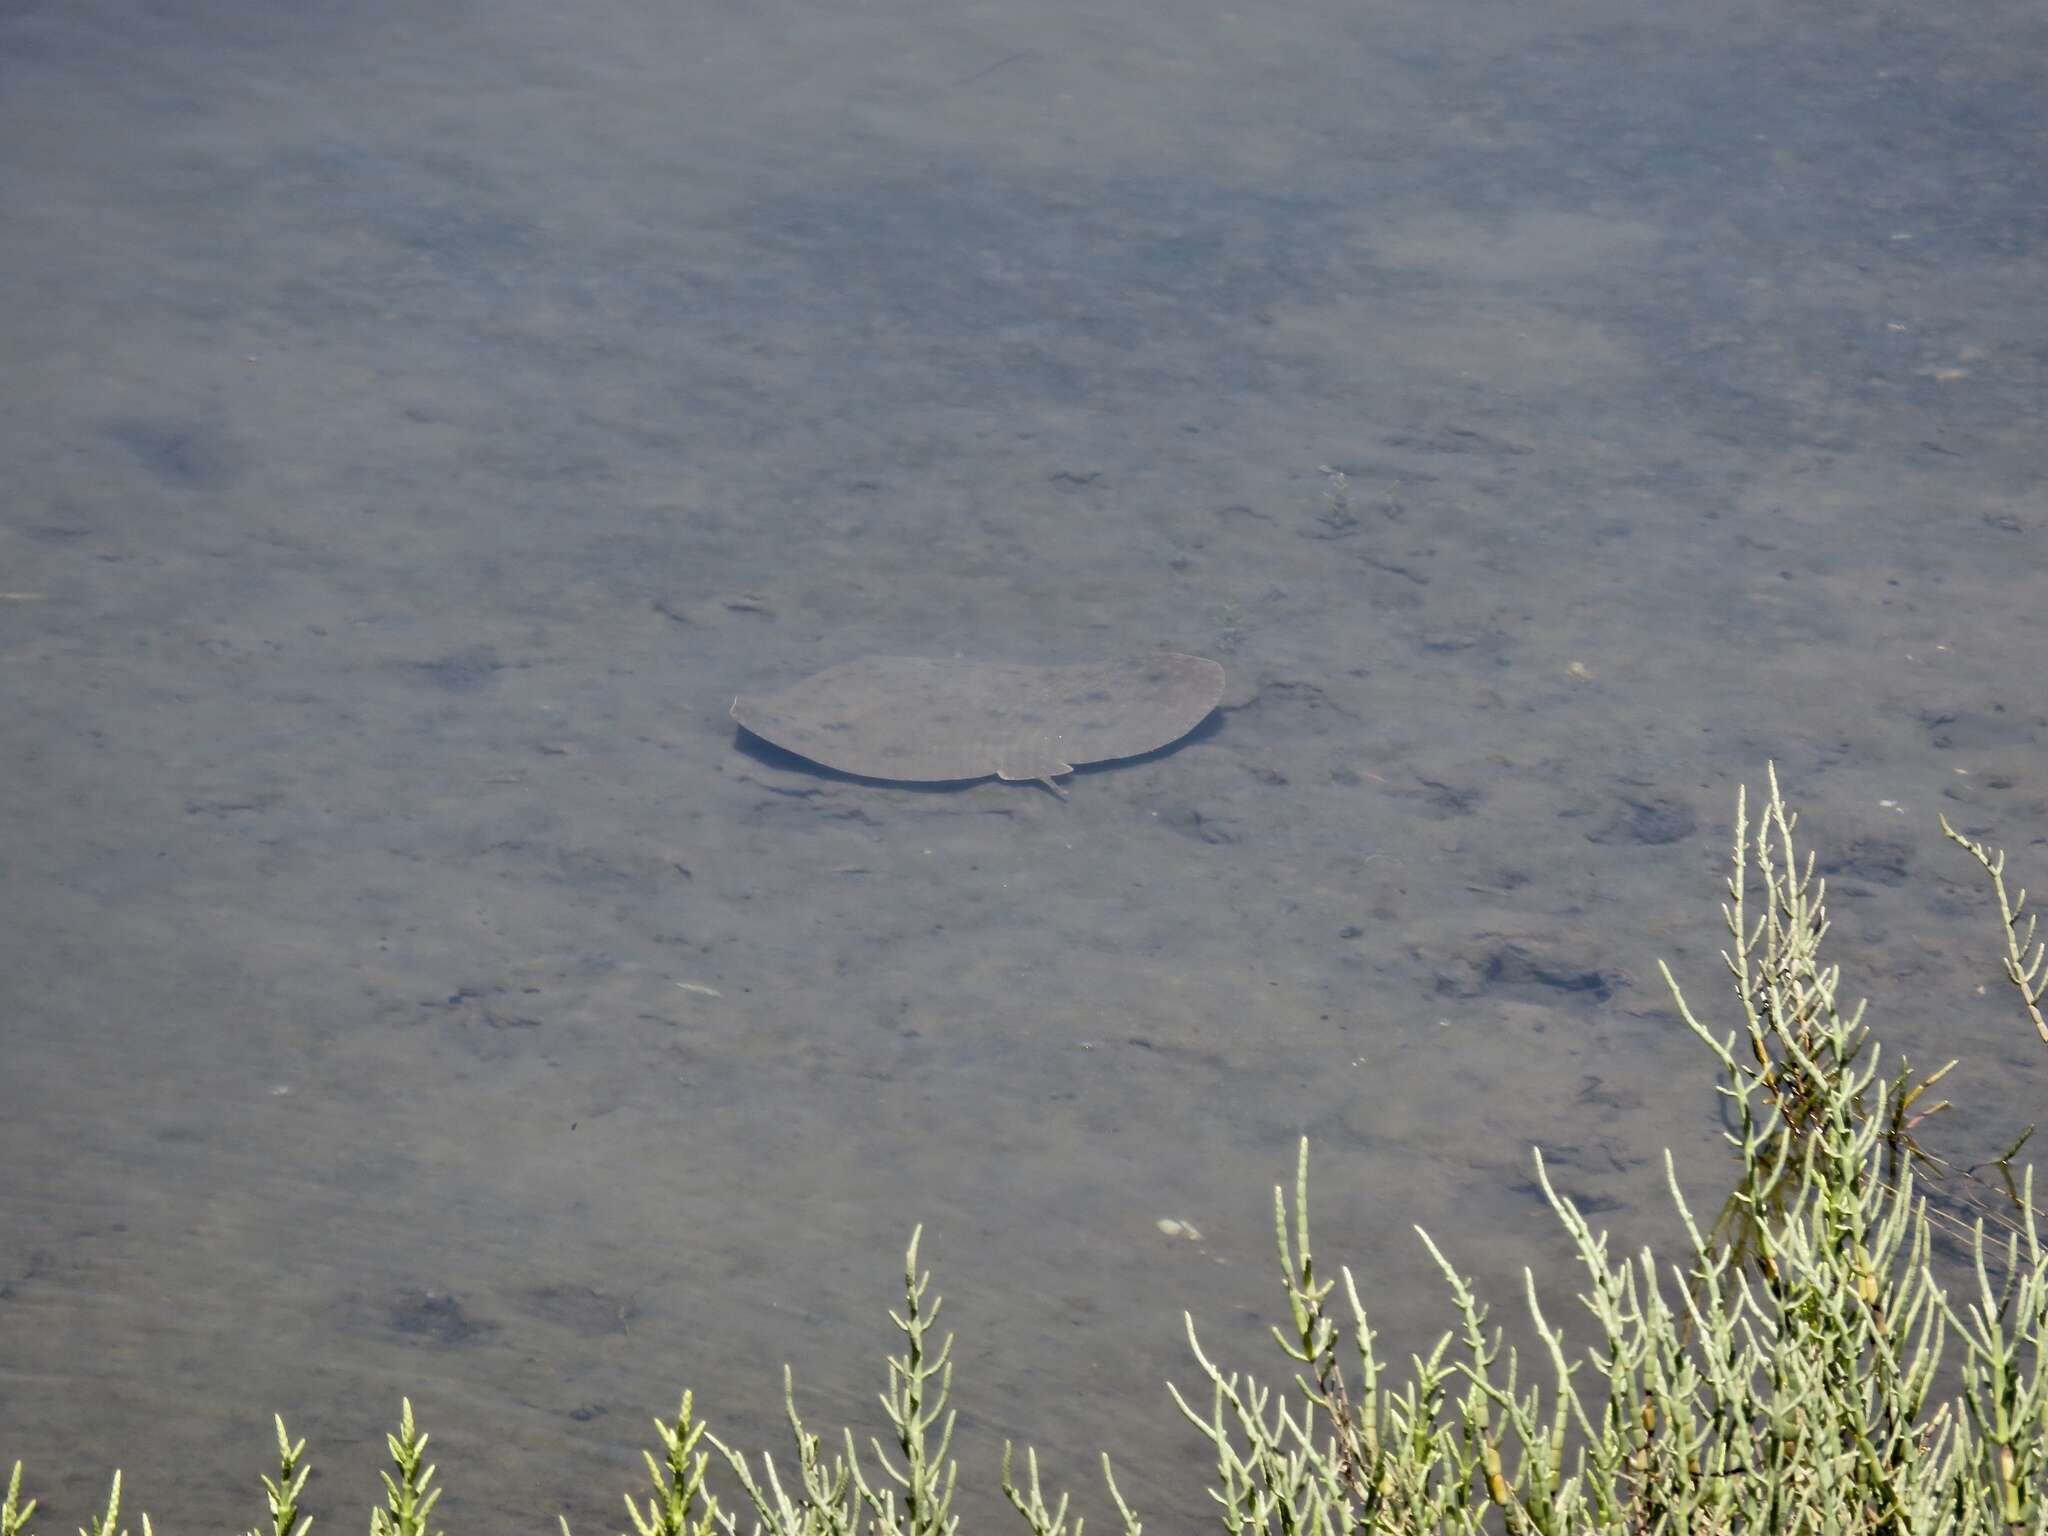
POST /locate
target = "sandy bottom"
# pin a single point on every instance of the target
(421, 424)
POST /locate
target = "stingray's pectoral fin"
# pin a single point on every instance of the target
(1042, 768)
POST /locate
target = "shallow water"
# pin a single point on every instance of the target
(420, 424)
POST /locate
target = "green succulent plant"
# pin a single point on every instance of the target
(1781, 1376)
